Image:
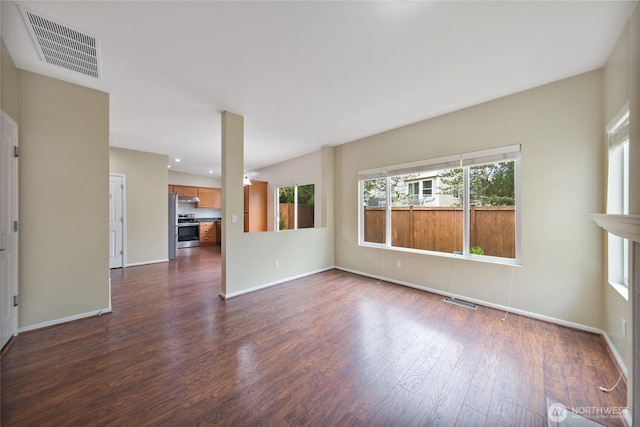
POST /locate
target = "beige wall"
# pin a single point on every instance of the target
(616, 95)
(559, 127)
(248, 258)
(64, 168)
(301, 170)
(181, 178)
(634, 97)
(621, 85)
(8, 83)
(146, 204)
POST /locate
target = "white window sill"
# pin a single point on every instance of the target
(621, 289)
(480, 258)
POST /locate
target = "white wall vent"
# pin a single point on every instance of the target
(63, 46)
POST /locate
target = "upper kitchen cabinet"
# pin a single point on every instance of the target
(255, 206)
(185, 191)
(210, 198)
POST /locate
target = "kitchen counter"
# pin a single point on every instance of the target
(209, 219)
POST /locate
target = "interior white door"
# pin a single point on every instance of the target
(8, 230)
(116, 221)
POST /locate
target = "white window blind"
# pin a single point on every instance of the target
(491, 156)
(620, 131)
(459, 160)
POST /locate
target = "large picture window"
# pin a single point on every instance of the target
(464, 205)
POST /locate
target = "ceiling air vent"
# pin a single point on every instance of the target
(63, 46)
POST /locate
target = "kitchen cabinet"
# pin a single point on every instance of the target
(255, 206)
(206, 198)
(185, 191)
(210, 198)
(217, 198)
(208, 233)
(218, 226)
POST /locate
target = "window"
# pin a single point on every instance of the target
(296, 207)
(462, 205)
(419, 191)
(374, 193)
(618, 200)
(414, 192)
(427, 188)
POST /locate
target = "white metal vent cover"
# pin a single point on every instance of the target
(63, 46)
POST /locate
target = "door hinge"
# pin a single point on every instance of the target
(16, 300)
(121, 252)
(15, 226)
(15, 151)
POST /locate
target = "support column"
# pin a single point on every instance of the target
(232, 197)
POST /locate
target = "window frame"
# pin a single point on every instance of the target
(414, 189)
(295, 207)
(618, 248)
(423, 187)
(464, 161)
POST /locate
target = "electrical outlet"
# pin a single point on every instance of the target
(624, 328)
(276, 264)
(398, 264)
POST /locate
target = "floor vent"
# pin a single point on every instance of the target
(63, 46)
(460, 303)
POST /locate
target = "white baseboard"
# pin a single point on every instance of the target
(277, 282)
(133, 264)
(64, 320)
(532, 315)
(616, 355)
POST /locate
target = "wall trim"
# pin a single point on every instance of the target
(56, 322)
(619, 360)
(277, 282)
(627, 416)
(615, 353)
(157, 261)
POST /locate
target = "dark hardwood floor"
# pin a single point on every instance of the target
(330, 349)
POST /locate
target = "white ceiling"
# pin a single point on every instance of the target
(308, 74)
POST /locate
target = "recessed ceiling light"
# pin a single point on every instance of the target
(177, 160)
(169, 166)
(210, 171)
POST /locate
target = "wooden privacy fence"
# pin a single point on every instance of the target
(492, 228)
(305, 216)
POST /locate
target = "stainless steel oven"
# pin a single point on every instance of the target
(188, 231)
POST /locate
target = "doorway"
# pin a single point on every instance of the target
(116, 220)
(9, 230)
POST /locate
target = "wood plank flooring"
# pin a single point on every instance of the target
(330, 349)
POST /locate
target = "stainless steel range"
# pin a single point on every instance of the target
(188, 231)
